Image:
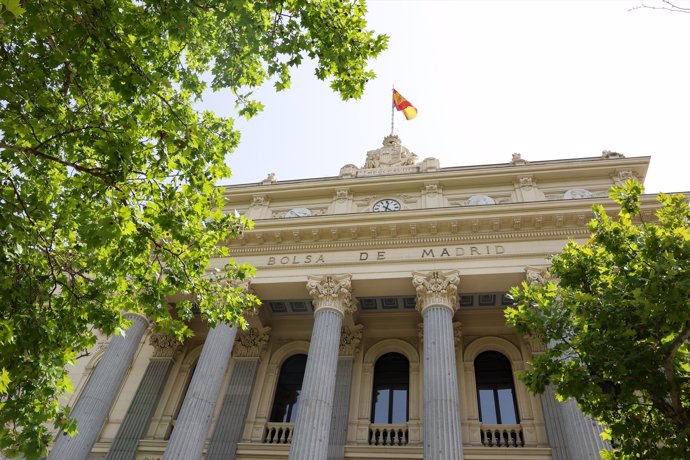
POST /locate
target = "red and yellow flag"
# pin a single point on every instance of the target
(404, 105)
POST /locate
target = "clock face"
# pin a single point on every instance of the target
(386, 205)
(298, 212)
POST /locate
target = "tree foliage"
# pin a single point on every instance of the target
(107, 173)
(616, 314)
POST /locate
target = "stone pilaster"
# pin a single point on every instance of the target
(350, 338)
(95, 402)
(146, 398)
(437, 302)
(332, 299)
(248, 348)
(190, 432)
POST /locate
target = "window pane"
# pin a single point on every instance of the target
(288, 389)
(506, 403)
(380, 414)
(399, 406)
(487, 407)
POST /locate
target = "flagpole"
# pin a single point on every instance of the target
(392, 112)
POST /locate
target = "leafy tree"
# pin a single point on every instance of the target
(617, 317)
(107, 173)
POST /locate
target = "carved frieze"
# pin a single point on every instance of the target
(250, 343)
(332, 292)
(436, 288)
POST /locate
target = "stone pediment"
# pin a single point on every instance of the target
(391, 158)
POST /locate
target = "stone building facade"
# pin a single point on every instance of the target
(381, 334)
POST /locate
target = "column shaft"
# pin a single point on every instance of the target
(95, 402)
(442, 438)
(310, 441)
(233, 411)
(341, 408)
(139, 414)
(191, 429)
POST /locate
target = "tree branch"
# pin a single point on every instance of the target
(97, 172)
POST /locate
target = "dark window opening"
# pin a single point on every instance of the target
(391, 389)
(286, 401)
(495, 389)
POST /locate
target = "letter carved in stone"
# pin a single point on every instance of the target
(332, 292)
(436, 288)
(164, 345)
(350, 338)
(251, 343)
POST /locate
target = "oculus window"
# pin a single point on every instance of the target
(286, 400)
(495, 389)
(389, 403)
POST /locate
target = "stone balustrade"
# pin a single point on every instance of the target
(502, 435)
(278, 433)
(383, 434)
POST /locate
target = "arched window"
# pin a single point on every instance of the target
(286, 400)
(495, 389)
(391, 387)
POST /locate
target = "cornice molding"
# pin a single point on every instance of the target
(346, 242)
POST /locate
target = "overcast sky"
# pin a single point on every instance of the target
(549, 79)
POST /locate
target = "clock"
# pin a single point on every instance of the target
(386, 205)
(298, 212)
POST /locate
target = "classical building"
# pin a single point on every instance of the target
(381, 334)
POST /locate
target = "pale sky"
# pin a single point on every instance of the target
(549, 79)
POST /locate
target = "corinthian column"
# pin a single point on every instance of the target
(94, 403)
(248, 348)
(146, 398)
(190, 432)
(437, 302)
(332, 299)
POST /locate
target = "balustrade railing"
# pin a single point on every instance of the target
(278, 433)
(502, 436)
(383, 434)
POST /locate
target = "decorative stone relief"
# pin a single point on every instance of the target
(250, 343)
(477, 200)
(622, 176)
(392, 154)
(575, 193)
(259, 200)
(164, 345)
(342, 194)
(332, 292)
(436, 288)
(526, 183)
(270, 179)
(420, 332)
(431, 189)
(608, 155)
(350, 339)
(457, 333)
(535, 275)
(518, 160)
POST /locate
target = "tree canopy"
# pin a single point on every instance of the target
(616, 316)
(107, 173)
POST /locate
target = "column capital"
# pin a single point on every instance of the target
(436, 288)
(250, 343)
(536, 275)
(350, 338)
(164, 345)
(332, 292)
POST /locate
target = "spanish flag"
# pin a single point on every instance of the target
(404, 105)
